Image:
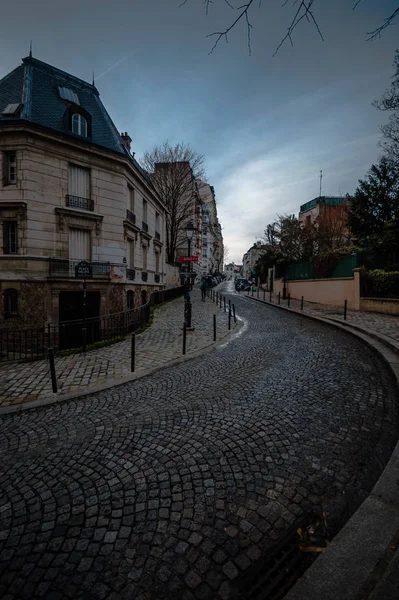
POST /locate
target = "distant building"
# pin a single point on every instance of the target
(311, 210)
(232, 270)
(250, 257)
(212, 239)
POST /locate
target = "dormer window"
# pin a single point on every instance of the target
(79, 125)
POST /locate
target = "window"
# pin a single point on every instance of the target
(79, 244)
(131, 194)
(157, 262)
(145, 252)
(10, 237)
(10, 304)
(79, 125)
(130, 300)
(10, 167)
(145, 210)
(204, 253)
(69, 95)
(130, 254)
(78, 181)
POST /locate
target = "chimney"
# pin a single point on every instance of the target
(127, 139)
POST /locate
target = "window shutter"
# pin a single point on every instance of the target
(79, 181)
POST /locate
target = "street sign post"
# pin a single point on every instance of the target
(82, 270)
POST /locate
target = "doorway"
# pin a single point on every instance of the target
(71, 315)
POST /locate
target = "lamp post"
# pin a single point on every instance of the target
(190, 229)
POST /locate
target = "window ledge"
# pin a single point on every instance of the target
(81, 212)
(6, 204)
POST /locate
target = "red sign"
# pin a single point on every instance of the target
(188, 259)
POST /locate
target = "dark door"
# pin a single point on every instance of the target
(71, 315)
(143, 297)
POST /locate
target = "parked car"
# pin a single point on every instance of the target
(242, 284)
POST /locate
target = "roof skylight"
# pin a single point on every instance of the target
(69, 95)
(11, 109)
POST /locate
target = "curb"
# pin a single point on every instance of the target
(236, 331)
(361, 553)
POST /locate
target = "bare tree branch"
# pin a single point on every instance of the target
(304, 10)
(377, 32)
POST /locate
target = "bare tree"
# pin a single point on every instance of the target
(226, 254)
(174, 171)
(303, 11)
(390, 102)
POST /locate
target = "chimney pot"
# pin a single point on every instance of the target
(127, 139)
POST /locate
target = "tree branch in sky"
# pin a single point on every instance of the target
(303, 11)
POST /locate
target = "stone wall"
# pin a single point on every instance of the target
(389, 306)
(324, 291)
(172, 277)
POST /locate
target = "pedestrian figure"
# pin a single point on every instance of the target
(203, 286)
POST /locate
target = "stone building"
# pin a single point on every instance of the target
(71, 190)
(249, 259)
(212, 239)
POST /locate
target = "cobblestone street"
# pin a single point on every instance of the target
(170, 487)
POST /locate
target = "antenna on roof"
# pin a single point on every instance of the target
(30, 49)
(321, 179)
(92, 83)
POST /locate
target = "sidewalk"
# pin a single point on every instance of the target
(157, 346)
(377, 323)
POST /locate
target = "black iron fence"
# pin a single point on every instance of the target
(31, 343)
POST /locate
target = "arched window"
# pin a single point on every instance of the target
(10, 304)
(79, 125)
(130, 299)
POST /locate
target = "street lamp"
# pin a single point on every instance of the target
(190, 229)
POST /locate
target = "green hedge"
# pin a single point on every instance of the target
(380, 284)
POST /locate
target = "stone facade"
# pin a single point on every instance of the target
(38, 201)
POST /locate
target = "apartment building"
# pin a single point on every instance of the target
(71, 191)
(212, 239)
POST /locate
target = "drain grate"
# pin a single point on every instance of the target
(279, 567)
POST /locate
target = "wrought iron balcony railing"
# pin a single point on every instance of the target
(144, 226)
(130, 274)
(78, 202)
(130, 216)
(64, 267)
(144, 275)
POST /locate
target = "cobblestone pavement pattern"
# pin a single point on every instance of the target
(158, 345)
(169, 487)
(376, 322)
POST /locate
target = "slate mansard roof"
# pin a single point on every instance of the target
(34, 85)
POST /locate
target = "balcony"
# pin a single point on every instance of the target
(131, 217)
(144, 226)
(130, 274)
(158, 236)
(157, 278)
(78, 202)
(144, 275)
(64, 267)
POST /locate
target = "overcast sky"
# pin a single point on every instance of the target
(265, 125)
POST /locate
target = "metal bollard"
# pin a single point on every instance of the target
(224, 303)
(252, 291)
(289, 300)
(264, 294)
(234, 313)
(52, 369)
(279, 297)
(217, 297)
(220, 300)
(270, 296)
(345, 309)
(214, 328)
(184, 337)
(229, 304)
(302, 303)
(229, 320)
(257, 292)
(133, 353)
